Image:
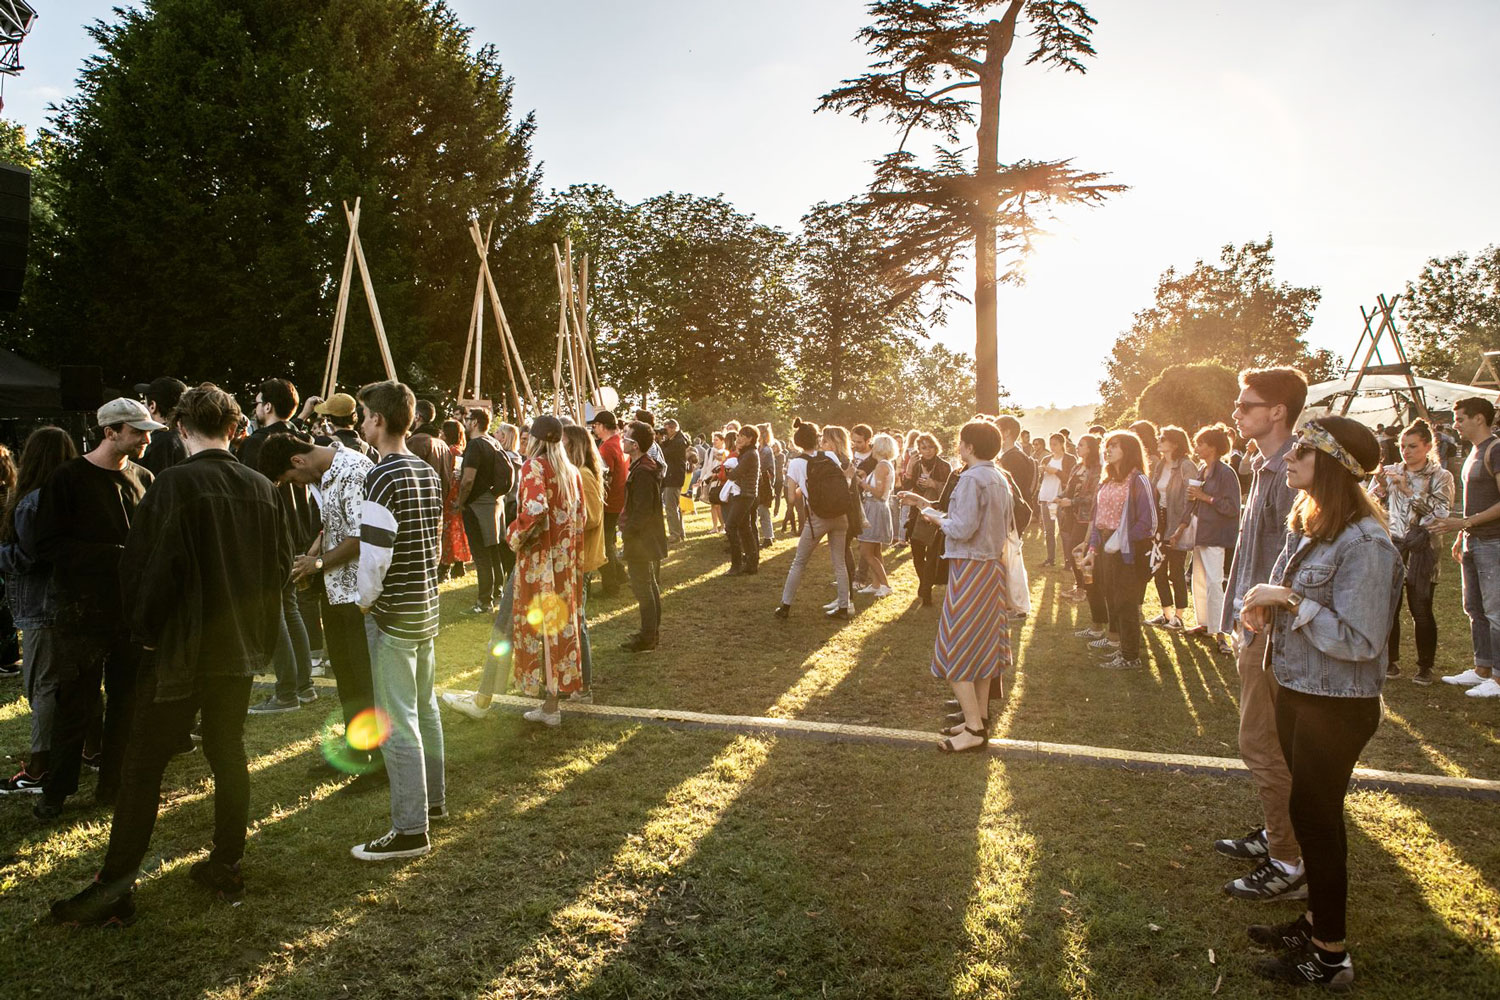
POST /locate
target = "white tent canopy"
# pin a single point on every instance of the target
(1382, 399)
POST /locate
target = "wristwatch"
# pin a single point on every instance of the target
(318, 564)
(1293, 601)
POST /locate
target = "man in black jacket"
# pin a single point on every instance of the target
(166, 448)
(644, 533)
(1012, 459)
(203, 569)
(84, 514)
(739, 511)
(674, 446)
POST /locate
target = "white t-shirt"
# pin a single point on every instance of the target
(1051, 480)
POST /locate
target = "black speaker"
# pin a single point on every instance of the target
(81, 387)
(15, 232)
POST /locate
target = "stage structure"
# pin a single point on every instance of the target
(474, 348)
(1401, 384)
(575, 373)
(354, 254)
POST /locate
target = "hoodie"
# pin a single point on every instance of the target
(642, 524)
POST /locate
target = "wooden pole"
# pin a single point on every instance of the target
(364, 275)
(463, 372)
(340, 313)
(506, 335)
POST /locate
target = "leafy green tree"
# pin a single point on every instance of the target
(1451, 314)
(1234, 313)
(38, 154)
(200, 176)
(1190, 396)
(938, 68)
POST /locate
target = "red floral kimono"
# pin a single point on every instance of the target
(455, 542)
(549, 585)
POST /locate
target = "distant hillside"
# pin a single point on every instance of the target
(1045, 420)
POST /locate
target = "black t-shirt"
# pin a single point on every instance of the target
(165, 450)
(83, 517)
(482, 455)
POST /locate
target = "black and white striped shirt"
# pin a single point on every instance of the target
(400, 536)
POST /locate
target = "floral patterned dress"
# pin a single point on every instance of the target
(549, 585)
(455, 541)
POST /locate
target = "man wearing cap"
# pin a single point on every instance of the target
(674, 448)
(616, 470)
(166, 448)
(339, 409)
(83, 517)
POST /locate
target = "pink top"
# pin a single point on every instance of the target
(1109, 505)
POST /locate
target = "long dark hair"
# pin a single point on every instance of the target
(1337, 497)
(1134, 461)
(45, 450)
(1088, 451)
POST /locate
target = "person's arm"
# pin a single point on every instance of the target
(1358, 626)
(15, 557)
(153, 564)
(466, 485)
(531, 502)
(1442, 525)
(377, 541)
(962, 520)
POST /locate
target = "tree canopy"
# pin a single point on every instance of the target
(1451, 314)
(1234, 313)
(1190, 396)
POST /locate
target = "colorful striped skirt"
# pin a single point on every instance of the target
(973, 638)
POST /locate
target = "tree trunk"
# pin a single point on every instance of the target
(986, 308)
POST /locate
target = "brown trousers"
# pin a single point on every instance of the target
(1260, 748)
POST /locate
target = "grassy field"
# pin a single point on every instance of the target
(604, 859)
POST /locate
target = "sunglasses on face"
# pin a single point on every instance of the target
(1245, 405)
(1301, 451)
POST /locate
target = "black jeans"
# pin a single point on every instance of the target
(1321, 738)
(308, 603)
(161, 727)
(1419, 600)
(1124, 588)
(86, 658)
(922, 562)
(611, 574)
(1171, 579)
(349, 654)
(488, 564)
(744, 541)
(646, 585)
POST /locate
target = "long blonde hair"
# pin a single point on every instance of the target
(839, 438)
(568, 476)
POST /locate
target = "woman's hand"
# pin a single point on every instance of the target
(1265, 595)
(1196, 493)
(1065, 502)
(1176, 537)
(1254, 619)
(1458, 549)
(1443, 525)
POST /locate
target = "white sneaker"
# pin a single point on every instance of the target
(867, 588)
(1489, 689)
(831, 605)
(1468, 678)
(464, 705)
(881, 592)
(545, 718)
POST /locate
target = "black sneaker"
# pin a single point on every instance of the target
(642, 644)
(273, 705)
(224, 881)
(1423, 676)
(437, 814)
(393, 846)
(1305, 967)
(1393, 669)
(1252, 846)
(307, 696)
(95, 907)
(841, 614)
(92, 761)
(22, 783)
(1281, 937)
(10, 669)
(1268, 882)
(783, 611)
(47, 811)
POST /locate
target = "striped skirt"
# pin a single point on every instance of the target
(973, 638)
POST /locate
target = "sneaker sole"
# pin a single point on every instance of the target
(1291, 894)
(278, 710)
(364, 855)
(1236, 855)
(33, 790)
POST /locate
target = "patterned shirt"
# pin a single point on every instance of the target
(342, 503)
(400, 534)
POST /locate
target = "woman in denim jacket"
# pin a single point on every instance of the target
(1328, 609)
(1174, 512)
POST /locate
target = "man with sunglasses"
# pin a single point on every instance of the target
(1270, 400)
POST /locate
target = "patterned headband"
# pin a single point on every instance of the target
(1315, 435)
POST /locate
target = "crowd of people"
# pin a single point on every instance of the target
(192, 547)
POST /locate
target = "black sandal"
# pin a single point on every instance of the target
(958, 726)
(947, 745)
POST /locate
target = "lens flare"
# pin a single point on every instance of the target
(352, 755)
(501, 648)
(369, 729)
(548, 614)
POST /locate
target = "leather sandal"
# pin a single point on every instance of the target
(947, 745)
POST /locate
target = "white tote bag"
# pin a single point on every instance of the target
(1017, 586)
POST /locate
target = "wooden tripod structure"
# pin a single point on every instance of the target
(354, 254)
(1487, 377)
(1384, 311)
(475, 346)
(575, 378)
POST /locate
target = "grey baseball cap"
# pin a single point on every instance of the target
(127, 411)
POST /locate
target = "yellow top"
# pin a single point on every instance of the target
(593, 521)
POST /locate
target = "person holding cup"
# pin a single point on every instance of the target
(1214, 499)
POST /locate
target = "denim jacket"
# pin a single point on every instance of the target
(1263, 531)
(979, 514)
(28, 581)
(1334, 644)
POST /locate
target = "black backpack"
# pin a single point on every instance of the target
(505, 472)
(827, 488)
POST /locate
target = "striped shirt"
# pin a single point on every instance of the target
(399, 537)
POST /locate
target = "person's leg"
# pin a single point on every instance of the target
(284, 661)
(395, 676)
(223, 701)
(1163, 582)
(1479, 626)
(1393, 640)
(919, 564)
(1321, 739)
(349, 655)
(641, 585)
(39, 650)
(121, 666)
(1098, 598)
(611, 572)
(484, 567)
(430, 724)
(160, 727)
(851, 565)
(309, 599)
(672, 506)
(655, 568)
(1260, 749)
(1049, 529)
(1130, 581)
(732, 511)
(585, 642)
(767, 524)
(74, 678)
(1487, 562)
(497, 658)
(805, 545)
(301, 651)
(1208, 591)
(749, 540)
(1424, 623)
(1177, 560)
(838, 548)
(504, 561)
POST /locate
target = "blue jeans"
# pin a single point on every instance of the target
(403, 675)
(585, 646)
(292, 660)
(1481, 574)
(497, 658)
(670, 501)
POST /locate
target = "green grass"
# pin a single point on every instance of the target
(607, 860)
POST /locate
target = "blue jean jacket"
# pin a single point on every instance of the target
(1334, 644)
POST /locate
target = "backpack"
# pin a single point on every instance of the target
(827, 489)
(506, 473)
(1020, 510)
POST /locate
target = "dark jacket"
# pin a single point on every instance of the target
(165, 450)
(1021, 468)
(642, 524)
(675, 449)
(84, 514)
(746, 474)
(1219, 519)
(1081, 487)
(28, 581)
(435, 452)
(203, 571)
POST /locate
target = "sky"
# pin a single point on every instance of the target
(1357, 134)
